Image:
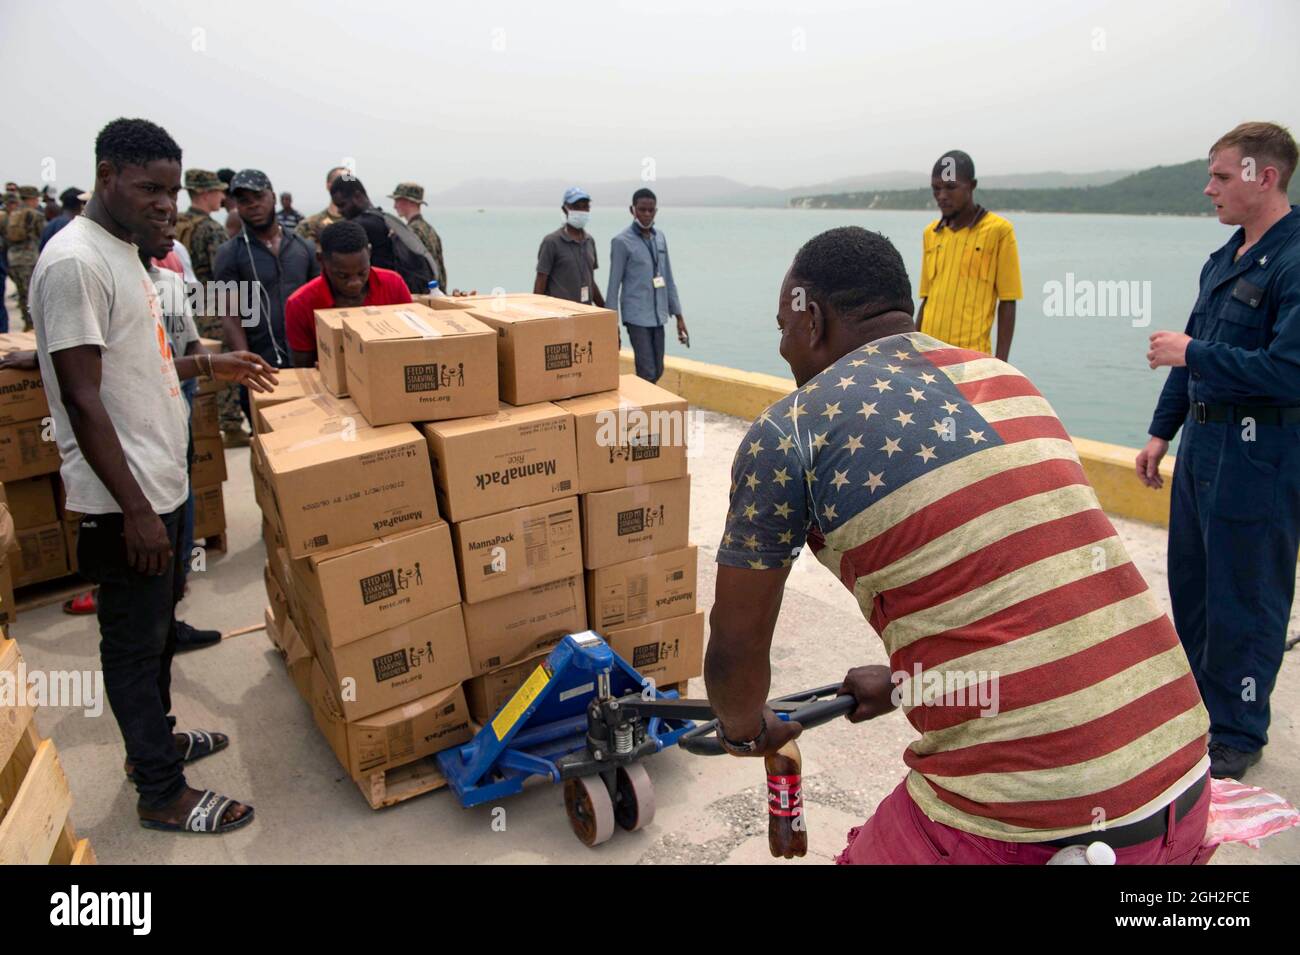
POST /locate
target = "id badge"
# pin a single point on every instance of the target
(659, 282)
(584, 295)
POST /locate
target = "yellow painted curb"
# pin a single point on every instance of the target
(744, 394)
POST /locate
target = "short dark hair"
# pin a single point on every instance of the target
(342, 238)
(347, 186)
(226, 174)
(134, 142)
(71, 198)
(644, 193)
(960, 163)
(854, 270)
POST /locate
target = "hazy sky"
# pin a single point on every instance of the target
(766, 93)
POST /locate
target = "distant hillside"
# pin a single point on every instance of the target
(1162, 190)
(721, 191)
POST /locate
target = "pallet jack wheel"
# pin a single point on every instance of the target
(590, 809)
(636, 798)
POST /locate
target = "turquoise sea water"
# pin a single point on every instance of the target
(729, 264)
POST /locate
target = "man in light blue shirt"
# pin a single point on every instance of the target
(641, 286)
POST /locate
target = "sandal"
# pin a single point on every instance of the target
(81, 605)
(199, 743)
(206, 816)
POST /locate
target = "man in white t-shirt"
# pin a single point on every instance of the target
(122, 428)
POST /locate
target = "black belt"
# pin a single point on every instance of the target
(1144, 830)
(1261, 414)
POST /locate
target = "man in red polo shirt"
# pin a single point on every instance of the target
(346, 281)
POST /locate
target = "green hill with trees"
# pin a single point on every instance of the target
(1161, 190)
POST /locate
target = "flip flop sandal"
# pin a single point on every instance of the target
(199, 743)
(204, 817)
(81, 605)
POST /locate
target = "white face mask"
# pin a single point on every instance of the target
(577, 219)
(643, 225)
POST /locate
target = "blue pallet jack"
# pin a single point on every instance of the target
(586, 718)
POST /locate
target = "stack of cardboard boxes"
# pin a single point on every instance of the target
(28, 458)
(444, 500)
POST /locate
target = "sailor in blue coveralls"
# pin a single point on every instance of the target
(1234, 388)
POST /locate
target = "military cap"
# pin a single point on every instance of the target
(29, 192)
(202, 180)
(253, 180)
(409, 190)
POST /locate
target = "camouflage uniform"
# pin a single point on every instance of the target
(202, 235)
(415, 193)
(22, 232)
(312, 226)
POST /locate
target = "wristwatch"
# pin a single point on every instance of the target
(748, 746)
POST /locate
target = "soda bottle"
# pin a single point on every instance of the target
(787, 836)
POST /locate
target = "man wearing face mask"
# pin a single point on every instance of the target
(566, 259)
(641, 286)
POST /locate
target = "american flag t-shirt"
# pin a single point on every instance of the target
(943, 491)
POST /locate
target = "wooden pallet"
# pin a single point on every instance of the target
(34, 793)
(218, 543)
(402, 783)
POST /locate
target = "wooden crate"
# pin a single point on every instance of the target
(34, 793)
(402, 783)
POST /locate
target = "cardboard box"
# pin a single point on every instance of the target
(8, 607)
(209, 465)
(22, 393)
(209, 512)
(369, 587)
(274, 633)
(262, 492)
(293, 383)
(279, 601)
(272, 536)
(666, 652)
(25, 452)
(31, 502)
(394, 737)
(205, 416)
(329, 350)
(396, 665)
(441, 302)
(312, 412)
(508, 629)
(514, 550)
(631, 522)
(487, 693)
(332, 490)
(641, 591)
(297, 659)
(510, 458)
(635, 435)
(549, 348)
(44, 555)
(410, 363)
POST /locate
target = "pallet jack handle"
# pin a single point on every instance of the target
(809, 708)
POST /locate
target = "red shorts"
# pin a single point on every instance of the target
(899, 833)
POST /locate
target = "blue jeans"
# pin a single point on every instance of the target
(648, 350)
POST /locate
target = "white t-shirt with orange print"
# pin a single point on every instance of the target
(89, 288)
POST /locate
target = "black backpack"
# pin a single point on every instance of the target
(414, 263)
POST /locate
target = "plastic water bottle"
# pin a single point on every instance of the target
(435, 291)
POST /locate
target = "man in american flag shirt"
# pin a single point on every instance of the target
(943, 491)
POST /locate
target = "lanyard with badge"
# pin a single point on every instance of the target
(658, 280)
(584, 268)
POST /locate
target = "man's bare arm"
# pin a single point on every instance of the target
(539, 284)
(737, 670)
(920, 312)
(79, 372)
(1006, 328)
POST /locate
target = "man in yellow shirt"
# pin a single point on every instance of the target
(970, 267)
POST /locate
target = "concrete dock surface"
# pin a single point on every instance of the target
(710, 810)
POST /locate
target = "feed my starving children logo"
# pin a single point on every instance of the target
(567, 354)
(638, 519)
(634, 434)
(434, 376)
(74, 689)
(389, 583)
